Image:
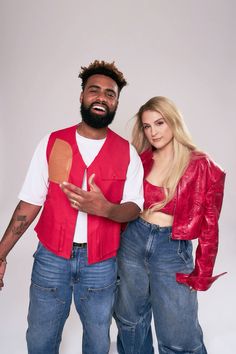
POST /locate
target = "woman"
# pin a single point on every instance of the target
(183, 192)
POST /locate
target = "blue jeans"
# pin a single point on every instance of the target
(54, 281)
(148, 260)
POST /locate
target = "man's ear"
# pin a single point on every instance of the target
(81, 97)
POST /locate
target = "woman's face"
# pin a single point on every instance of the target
(156, 130)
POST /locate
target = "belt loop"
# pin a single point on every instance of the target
(72, 253)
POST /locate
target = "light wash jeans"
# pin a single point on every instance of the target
(54, 281)
(148, 260)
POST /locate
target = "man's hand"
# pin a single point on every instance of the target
(3, 264)
(91, 202)
(94, 202)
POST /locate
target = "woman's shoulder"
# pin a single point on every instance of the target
(201, 160)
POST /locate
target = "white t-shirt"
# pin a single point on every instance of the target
(35, 187)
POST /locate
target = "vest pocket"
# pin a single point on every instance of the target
(51, 234)
(112, 184)
(112, 173)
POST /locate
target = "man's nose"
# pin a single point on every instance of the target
(101, 97)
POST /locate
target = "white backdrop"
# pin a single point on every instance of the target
(182, 49)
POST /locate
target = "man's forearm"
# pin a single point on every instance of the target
(22, 217)
(122, 212)
(94, 203)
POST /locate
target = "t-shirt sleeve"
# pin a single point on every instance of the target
(35, 186)
(133, 188)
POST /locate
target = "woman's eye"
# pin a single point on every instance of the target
(145, 126)
(160, 122)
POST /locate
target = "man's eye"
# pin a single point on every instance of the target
(111, 94)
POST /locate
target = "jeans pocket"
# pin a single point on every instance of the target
(46, 293)
(185, 252)
(104, 288)
(104, 295)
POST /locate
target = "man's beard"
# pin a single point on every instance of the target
(95, 120)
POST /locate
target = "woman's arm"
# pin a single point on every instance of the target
(201, 278)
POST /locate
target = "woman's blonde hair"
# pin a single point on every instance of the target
(182, 142)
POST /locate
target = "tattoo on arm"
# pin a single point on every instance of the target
(17, 230)
(21, 218)
(18, 223)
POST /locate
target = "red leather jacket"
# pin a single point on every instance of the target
(199, 197)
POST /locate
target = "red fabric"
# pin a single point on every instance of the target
(154, 194)
(56, 225)
(199, 197)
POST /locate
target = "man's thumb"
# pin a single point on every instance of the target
(92, 184)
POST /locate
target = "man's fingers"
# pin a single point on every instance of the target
(92, 184)
(2, 272)
(75, 200)
(69, 187)
(73, 196)
(80, 199)
(75, 204)
(91, 181)
(72, 191)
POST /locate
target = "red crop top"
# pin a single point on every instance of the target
(154, 194)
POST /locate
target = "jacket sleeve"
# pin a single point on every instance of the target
(201, 277)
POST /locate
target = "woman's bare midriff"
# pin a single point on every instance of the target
(157, 218)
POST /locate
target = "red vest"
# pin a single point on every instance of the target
(56, 225)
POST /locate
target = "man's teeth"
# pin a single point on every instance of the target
(100, 108)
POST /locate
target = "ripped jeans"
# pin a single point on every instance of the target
(148, 260)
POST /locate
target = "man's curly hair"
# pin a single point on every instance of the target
(102, 68)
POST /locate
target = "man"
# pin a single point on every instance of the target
(88, 180)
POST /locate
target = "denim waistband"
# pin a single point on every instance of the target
(154, 226)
